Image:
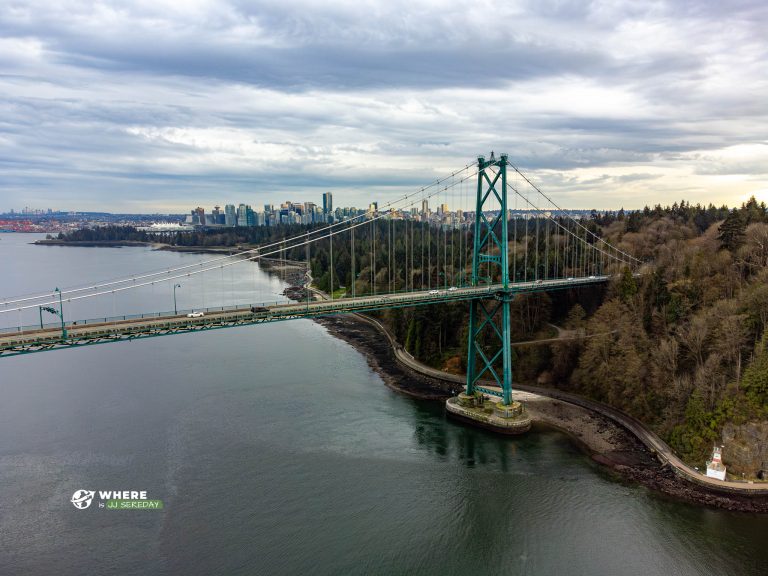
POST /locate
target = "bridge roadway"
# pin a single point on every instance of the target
(89, 332)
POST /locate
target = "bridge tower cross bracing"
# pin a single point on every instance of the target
(489, 258)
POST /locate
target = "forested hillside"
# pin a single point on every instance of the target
(687, 349)
(684, 347)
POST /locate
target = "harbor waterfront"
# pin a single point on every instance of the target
(276, 450)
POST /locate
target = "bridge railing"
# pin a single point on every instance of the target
(108, 319)
(550, 285)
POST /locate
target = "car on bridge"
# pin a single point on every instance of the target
(452, 289)
(258, 309)
(195, 314)
(433, 292)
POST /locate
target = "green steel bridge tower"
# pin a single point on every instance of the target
(490, 266)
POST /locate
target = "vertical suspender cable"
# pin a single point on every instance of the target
(514, 244)
(536, 274)
(602, 264)
(577, 250)
(453, 247)
(370, 261)
(546, 249)
(421, 225)
(445, 253)
(373, 257)
(429, 254)
(330, 237)
(527, 244)
(574, 248)
(437, 246)
(412, 279)
(389, 252)
(555, 233)
(405, 245)
(352, 243)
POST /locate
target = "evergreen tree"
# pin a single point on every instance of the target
(754, 212)
(627, 286)
(732, 231)
(755, 381)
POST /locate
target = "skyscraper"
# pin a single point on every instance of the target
(230, 215)
(327, 203)
(242, 217)
(250, 216)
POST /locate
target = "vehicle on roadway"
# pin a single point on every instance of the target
(571, 278)
(452, 288)
(539, 281)
(433, 292)
(195, 314)
(592, 277)
(257, 309)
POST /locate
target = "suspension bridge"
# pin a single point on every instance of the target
(507, 237)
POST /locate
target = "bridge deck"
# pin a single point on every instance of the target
(94, 332)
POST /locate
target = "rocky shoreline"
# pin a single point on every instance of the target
(134, 243)
(607, 443)
(91, 243)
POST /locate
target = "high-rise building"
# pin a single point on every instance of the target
(250, 216)
(230, 215)
(242, 216)
(327, 203)
(198, 216)
(309, 212)
(443, 209)
(216, 218)
(425, 206)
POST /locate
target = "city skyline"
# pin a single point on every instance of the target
(130, 107)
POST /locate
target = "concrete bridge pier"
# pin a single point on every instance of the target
(489, 413)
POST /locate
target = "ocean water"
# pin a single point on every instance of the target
(276, 450)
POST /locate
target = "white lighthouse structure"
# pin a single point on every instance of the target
(715, 467)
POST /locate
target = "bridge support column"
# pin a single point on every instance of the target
(506, 385)
(489, 350)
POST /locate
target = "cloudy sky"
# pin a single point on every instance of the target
(161, 105)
